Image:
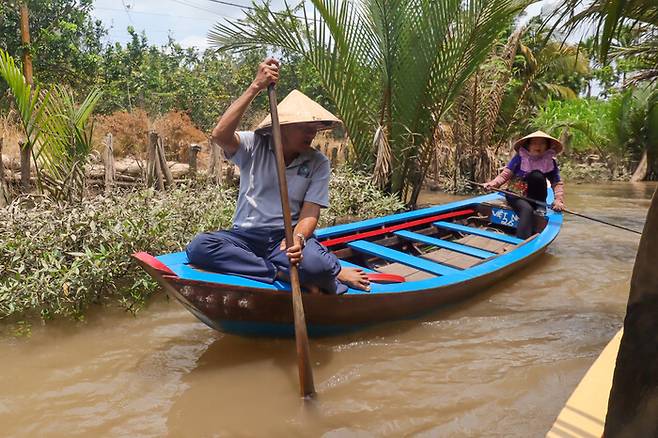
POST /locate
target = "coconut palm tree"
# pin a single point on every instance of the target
(56, 128)
(392, 67)
(497, 100)
(612, 20)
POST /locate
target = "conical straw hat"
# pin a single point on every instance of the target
(554, 142)
(299, 108)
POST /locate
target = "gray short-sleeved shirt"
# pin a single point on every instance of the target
(259, 202)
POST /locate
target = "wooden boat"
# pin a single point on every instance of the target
(427, 258)
(583, 416)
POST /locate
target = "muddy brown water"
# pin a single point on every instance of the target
(501, 364)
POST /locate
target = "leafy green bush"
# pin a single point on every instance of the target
(56, 259)
(353, 196)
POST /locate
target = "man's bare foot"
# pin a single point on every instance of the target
(354, 278)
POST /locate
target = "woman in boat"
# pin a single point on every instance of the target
(255, 246)
(527, 172)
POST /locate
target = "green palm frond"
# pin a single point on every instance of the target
(55, 127)
(66, 143)
(399, 64)
(608, 18)
(338, 42)
(26, 97)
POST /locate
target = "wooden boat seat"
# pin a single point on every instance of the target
(389, 229)
(477, 232)
(393, 255)
(452, 246)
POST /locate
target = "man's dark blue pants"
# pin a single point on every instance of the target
(255, 254)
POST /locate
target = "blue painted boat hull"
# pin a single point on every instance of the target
(243, 307)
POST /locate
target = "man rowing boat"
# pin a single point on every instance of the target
(254, 247)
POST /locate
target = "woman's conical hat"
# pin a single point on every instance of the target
(554, 142)
(299, 108)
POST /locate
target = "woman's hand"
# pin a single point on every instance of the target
(294, 253)
(489, 186)
(268, 73)
(558, 205)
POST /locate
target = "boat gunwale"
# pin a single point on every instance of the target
(520, 252)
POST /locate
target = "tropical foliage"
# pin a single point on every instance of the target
(66, 42)
(398, 65)
(625, 28)
(56, 130)
(627, 31)
(499, 100)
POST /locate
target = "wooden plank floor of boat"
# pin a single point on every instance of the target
(448, 257)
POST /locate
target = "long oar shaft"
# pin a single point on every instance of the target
(306, 386)
(621, 227)
(516, 195)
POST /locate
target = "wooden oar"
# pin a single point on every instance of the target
(543, 204)
(306, 386)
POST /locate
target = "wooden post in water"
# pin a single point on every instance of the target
(194, 151)
(108, 162)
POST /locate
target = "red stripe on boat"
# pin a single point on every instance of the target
(380, 277)
(154, 263)
(377, 232)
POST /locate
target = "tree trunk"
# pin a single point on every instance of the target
(151, 158)
(633, 403)
(641, 170)
(26, 149)
(652, 163)
(4, 190)
(108, 161)
(25, 166)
